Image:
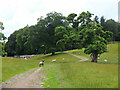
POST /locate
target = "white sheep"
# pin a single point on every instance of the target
(105, 60)
(98, 58)
(63, 59)
(41, 63)
(54, 60)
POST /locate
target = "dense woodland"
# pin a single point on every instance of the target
(56, 32)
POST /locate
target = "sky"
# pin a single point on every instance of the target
(16, 14)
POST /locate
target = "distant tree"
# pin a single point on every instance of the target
(118, 32)
(102, 22)
(111, 25)
(11, 44)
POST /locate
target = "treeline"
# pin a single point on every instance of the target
(56, 32)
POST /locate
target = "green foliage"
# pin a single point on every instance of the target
(36, 39)
(95, 39)
(111, 25)
(2, 41)
(1, 26)
(56, 32)
(11, 44)
(86, 32)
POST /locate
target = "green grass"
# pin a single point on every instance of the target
(111, 56)
(79, 75)
(12, 66)
(69, 73)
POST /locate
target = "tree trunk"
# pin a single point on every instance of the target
(53, 53)
(94, 57)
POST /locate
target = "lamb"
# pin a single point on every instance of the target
(105, 60)
(54, 60)
(41, 63)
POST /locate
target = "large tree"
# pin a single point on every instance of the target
(52, 21)
(95, 41)
(89, 34)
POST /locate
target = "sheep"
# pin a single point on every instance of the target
(63, 59)
(98, 58)
(54, 60)
(41, 63)
(105, 60)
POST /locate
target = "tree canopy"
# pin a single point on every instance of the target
(56, 32)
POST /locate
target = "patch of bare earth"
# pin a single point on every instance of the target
(31, 79)
(82, 58)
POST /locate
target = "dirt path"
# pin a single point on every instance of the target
(82, 58)
(30, 79)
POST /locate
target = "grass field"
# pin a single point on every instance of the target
(111, 56)
(12, 66)
(69, 73)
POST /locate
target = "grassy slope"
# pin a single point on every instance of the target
(68, 73)
(12, 66)
(85, 74)
(111, 55)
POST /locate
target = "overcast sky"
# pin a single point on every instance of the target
(16, 14)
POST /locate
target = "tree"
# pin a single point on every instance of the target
(96, 19)
(102, 22)
(66, 36)
(11, 44)
(21, 39)
(89, 34)
(118, 34)
(111, 25)
(2, 41)
(37, 39)
(96, 40)
(52, 21)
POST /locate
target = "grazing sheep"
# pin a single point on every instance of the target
(41, 63)
(63, 59)
(105, 60)
(98, 58)
(54, 60)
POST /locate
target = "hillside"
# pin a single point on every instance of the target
(68, 73)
